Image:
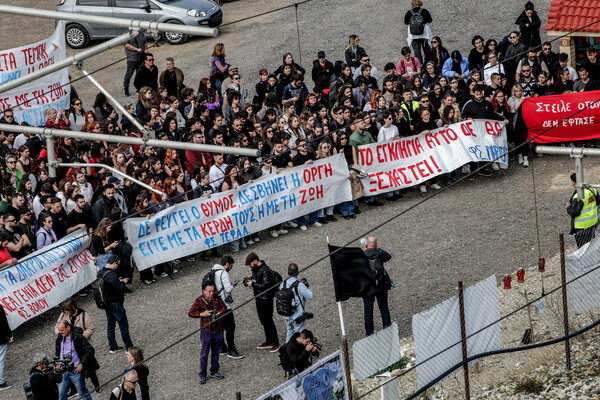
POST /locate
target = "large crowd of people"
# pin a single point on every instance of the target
(293, 115)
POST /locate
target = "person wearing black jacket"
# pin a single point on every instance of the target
(322, 72)
(146, 74)
(43, 384)
(262, 279)
(115, 312)
(300, 350)
(374, 253)
(529, 25)
(71, 342)
(419, 43)
(6, 337)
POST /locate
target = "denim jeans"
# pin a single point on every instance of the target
(211, 341)
(293, 327)
(392, 193)
(347, 208)
(115, 313)
(2, 360)
(382, 302)
(79, 382)
(312, 217)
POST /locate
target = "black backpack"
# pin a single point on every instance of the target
(277, 279)
(27, 386)
(99, 290)
(382, 279)
(284, 360)
(210, 278)
(417, 24)
(285, 300)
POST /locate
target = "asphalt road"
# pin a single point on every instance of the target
(468, 232)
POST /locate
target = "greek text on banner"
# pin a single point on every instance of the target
(404, 162)
(29, 101)
(204, 223)
(47, 278)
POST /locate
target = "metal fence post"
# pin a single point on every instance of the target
(463, 334)
(238, 396)
(51, 155)
(563, 278)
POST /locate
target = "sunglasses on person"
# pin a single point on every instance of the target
(134, 382)
(78, 103)
(150, 59)
(9, 116)
(268, 162)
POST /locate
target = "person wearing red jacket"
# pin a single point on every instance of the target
(192, 157)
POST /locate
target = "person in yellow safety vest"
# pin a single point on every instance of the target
(584, 214)
(410, 108)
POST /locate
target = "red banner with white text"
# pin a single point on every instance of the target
(576, 116)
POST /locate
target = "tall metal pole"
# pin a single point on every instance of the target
(563, 278)
(109, 21)
(579, 175)
(67, 62)
(117, 105)
(463, 334)
(345, 352)
(51, 156)
(131, 140)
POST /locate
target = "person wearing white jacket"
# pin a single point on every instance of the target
(493, 66)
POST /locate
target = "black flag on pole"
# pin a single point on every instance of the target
(352, 274)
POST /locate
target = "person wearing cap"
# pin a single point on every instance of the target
(262, 279)
(301, 296)
(322, 72)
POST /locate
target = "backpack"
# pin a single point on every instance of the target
(417, 24)
(277, 279)
(382, 279)
(210, 278)
(27, 386)
(284, 360)
(285, 299)
(99, 291)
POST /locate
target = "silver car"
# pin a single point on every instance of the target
(186, 12)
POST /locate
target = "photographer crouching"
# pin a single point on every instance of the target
(297, 354)
(43, 378)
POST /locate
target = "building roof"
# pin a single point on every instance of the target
(569, 15)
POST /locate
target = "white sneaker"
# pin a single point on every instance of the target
(257, 239)
(520, 159)
(495, 166)
(282, 231)
(317, 225)
(250, 241)
(466, 169)
(303, 227)
(435, 186)
(274, 234)
(525, 162)
(423, 188)
(290, 224)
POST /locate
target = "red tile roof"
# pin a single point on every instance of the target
(569, 15)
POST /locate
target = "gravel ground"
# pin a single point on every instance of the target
(468, 232)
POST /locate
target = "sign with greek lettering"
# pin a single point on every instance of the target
(404, 162)
(204, 223)
(576, 116)
(46, 278)
(51, 91)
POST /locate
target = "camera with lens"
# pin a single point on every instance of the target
(318, 345)
(305, 281)
(303, 317)
(59, 366)
(228, 299)
(246, 281)
(213, 315)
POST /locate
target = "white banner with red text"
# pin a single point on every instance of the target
(200, 224)
(46, 278)
(51, 91)
(400, 163)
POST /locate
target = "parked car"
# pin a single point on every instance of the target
(186, 12)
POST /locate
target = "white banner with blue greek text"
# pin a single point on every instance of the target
(196, 225)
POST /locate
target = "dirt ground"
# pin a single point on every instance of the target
(468, 232)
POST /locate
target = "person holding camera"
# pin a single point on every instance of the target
(128, 390)
(263, 278)
(77, 353)
(43, 379)
(224, 286)
(301, 294)
(208, 308)
(300, 351)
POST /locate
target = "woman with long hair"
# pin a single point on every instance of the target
(295, 130)
(519, 128)
(416, 86)
(285, 77)
(218, 68)
(25, 188)
(66, 149)
(181, 187)
(232, 106)
(354, 52)
(288, 59)
(205, 88)
(76, 114)
(172, 163)
(135, 356)
(437, 54)
(144, 102)
(45, 235)
(101, 108)
(90, 122)
(24, 161)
